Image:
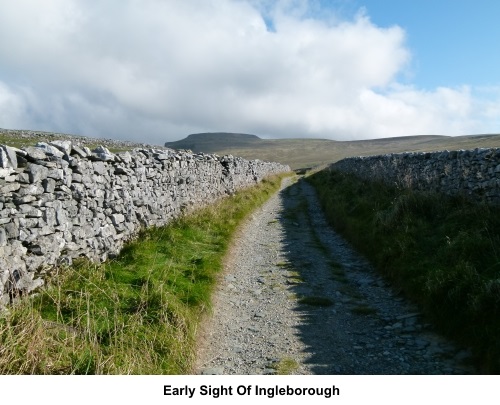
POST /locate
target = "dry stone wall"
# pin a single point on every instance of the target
(471, 173)
(60, 201)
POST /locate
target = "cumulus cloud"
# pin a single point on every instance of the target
(158, 70)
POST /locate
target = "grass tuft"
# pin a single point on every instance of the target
(286, 366)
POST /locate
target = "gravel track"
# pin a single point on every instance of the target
(295, 298)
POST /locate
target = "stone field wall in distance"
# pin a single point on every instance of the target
(472, 173)
(59, 201)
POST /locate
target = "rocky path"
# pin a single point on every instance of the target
(296, 299)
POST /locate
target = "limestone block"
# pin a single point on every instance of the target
(64, 146)
(103, 154)
(11, 230)
(49, 185)
(34, 153)
(79, 151)
(56, 174)
(31, 189)
(49, 150)
(48, 245)
(9, 188)
(3, 237)
(125, 157)
(8, 157)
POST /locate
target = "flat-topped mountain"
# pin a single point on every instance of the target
(210, 142)
(305, 152)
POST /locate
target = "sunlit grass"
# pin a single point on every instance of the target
(136, 314)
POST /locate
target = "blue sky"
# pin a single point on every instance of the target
(158, 70)
(453, 43)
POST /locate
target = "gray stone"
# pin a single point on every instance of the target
(48, 244)
(63, 146)
(49, 185)
(117, 219)
(102, 153)
(27, 284)
(8, 157)
(29, 211)
(32, 189)
(12, 230)
(81, 152)
(125, 157)
(3, 237)
(100, 168)
(37, 173)
(56, 174)
(9, 188)
(4, 172)
(50, 150)
(35, 153)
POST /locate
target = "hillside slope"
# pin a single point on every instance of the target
(302, 152)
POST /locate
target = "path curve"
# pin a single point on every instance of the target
(295, 298)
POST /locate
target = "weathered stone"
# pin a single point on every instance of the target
(48, 244)
(8, 157)
(24, 200)
(56, 174)
(28, 223)
(4, 172)
(63, 188)
(49, 185)
(27, 284)
(79, 151)
(102, 153)
(63, 146)
(50, 150)
(125, 157)
(31, 189)
(11, 230)
(9, 188)
(37, 173)
(29, 211)
(23, 178)
(117, 219)
(3, 237)
(35, 153)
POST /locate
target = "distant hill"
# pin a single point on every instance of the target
(303, 152)
(211, 142)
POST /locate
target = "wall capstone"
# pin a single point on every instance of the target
(60, 201)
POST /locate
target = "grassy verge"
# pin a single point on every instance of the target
(137, 314)
(443, 252)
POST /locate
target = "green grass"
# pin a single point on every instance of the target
(137, 314)
(443, 252)
(286, 366)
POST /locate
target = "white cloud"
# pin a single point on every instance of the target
(158, 70)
